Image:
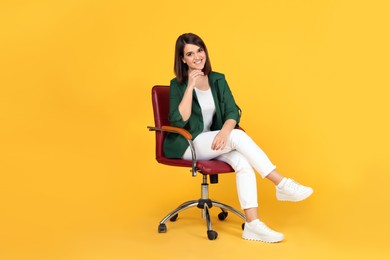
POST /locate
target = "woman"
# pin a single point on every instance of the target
(202, 103)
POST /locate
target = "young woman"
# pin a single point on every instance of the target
(202, 103)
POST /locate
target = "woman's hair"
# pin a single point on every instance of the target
(180, 68)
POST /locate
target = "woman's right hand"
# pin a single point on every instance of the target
(194, 77)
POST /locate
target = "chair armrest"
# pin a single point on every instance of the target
(172, 129)
(178, 130)
(187, 135)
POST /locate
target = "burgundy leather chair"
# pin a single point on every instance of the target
(211, 168)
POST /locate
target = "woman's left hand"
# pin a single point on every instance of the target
(219, 141)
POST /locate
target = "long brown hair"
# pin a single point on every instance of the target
(180, 68)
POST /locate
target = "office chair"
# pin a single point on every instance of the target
(211, 168)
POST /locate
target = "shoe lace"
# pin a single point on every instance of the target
(292, 185)
(265, 227)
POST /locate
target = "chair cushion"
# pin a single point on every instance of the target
(206, 167)
(214, 167)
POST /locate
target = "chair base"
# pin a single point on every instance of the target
(205, 204)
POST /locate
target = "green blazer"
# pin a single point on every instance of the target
(226, 108)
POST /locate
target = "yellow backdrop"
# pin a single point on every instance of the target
(312, 79)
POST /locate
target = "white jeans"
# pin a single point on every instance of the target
(243, 154)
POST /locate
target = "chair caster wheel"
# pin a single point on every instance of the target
(162, 228)
(243, 226)
(222, 215)
(212, 235)
(173, 219)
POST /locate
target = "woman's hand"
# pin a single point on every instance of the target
(220, 140)
(194, 77)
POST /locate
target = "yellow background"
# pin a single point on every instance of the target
(78, 176)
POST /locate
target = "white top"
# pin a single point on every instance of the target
(206, 101)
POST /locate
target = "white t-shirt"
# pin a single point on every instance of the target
(206, 101)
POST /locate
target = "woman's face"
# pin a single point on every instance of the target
(194, 57)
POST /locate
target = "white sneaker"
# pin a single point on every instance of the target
(258, 231)
(293, 191)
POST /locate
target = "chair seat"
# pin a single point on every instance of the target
(208, 167)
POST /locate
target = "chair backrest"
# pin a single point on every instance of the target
(160, 101)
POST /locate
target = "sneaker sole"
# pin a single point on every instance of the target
(256, 238)
(287, 198)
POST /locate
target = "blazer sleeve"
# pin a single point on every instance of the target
(228, 105)
(175, 97)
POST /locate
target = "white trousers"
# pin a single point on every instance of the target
(243, 155)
